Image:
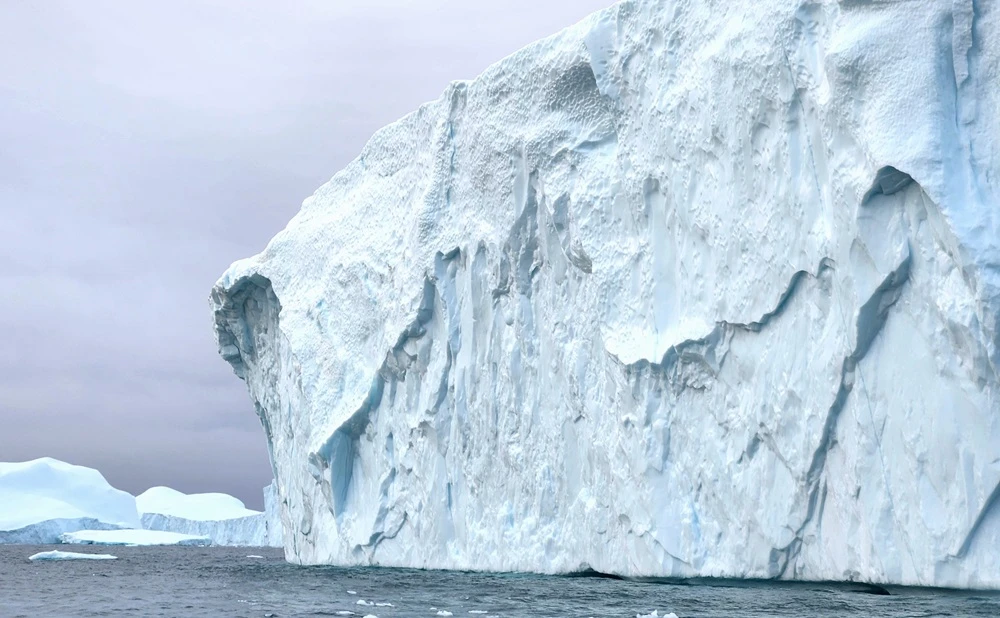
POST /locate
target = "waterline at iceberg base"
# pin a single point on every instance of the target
(680, 291)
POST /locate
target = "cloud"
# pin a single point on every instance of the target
(147, 146)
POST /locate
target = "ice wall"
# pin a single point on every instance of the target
(687, 289)
(249, 531)
(272, 513)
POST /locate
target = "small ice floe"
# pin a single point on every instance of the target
(384, 605)
(444, 612)
(363, 602)
(344, 612)
(131, 537)
(371, 616)
(255, 557)
(656, 614)
(68, 555)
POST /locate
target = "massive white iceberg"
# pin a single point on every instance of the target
(43, 498)
(689, 289)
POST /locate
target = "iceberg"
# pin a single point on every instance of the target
(45, 498)
(132, 538)
(68, 555)
(221, 517)
(683, 290)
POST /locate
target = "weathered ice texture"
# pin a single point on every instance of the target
(691, 288)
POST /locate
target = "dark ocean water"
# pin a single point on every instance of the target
(192, 581)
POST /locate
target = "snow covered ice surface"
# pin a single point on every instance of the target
(43, 498)
(132, 537)
(684, 290)
(68, 555)
(203, 507)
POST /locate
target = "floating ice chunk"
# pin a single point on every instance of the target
(131, 537)
(254, 556)
(352, 592)
(384, 605)
(444, 612)
(68, 555)
(656, 614)
(363, 602)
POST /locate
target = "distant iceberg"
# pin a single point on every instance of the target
(44, 498)
(220, 517)
(47, 501)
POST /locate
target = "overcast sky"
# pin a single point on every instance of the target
(144, 147)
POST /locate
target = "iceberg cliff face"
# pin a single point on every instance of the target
(679, 291)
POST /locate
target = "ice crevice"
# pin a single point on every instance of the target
(871, 319)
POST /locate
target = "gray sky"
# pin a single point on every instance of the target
(146, 145)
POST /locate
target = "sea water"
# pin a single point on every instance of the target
(220, 581)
